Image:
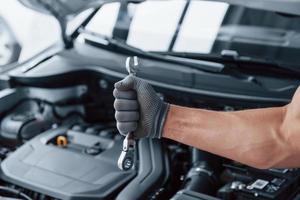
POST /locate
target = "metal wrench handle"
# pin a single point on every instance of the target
(126, 159)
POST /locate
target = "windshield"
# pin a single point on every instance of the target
(194, 27)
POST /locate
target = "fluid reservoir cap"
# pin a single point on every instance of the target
(62, 141)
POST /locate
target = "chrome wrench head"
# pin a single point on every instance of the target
(132, 65)
(126, 159)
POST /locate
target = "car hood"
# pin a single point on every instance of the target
(64, 8)
(291, 7)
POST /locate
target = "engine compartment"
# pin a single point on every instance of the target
(52, 150)
(59, 140)
(67, 163)
(66, 147)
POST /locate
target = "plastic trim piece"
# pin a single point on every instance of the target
(152, 174)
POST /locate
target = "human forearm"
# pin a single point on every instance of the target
(261, 138)
(253, 137)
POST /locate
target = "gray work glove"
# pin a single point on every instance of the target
(138, 108)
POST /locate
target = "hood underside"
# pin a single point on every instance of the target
(291, 7)
(64, 8)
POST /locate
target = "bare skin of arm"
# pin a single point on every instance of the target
(262, 138)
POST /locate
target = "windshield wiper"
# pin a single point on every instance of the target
(227, 63)
(121, 47)
(206, 64)
(232, 60)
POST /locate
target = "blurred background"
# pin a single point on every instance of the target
(35, 31)
(22, 21)
(198, 27)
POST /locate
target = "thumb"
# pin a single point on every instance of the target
(126, 84)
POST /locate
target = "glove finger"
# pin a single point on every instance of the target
(125, 127)
(127, 116)
(126, 84)
(126, 105)
(119, 94)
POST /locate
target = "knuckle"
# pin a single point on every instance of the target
(119, 116)
(121, 128)
(125, 105)
(116, 104)
(126, 127)
(129, 78)
(129, 95)
(115, 93)
(127, 116)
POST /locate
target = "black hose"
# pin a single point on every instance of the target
(204, 173)
(203, 156)
(14, 192)
(198, 155)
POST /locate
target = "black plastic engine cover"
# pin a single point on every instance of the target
(64, 173)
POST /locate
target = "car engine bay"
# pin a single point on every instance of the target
(58, 135)
(56, 154)
(59, 141)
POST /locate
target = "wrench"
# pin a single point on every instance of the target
(126, 159)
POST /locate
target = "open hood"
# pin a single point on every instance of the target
(64, 8)
(291, 7)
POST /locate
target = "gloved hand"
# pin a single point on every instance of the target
(138, 108)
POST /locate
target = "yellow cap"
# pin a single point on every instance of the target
(61, 141)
